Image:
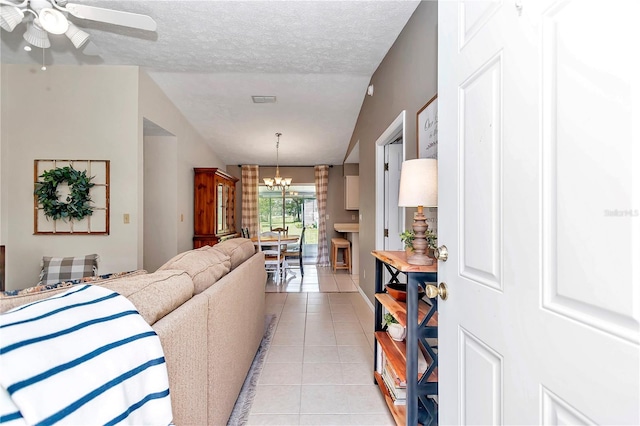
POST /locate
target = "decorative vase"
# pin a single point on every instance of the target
(396, 332)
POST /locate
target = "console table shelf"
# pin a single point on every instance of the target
(421, 341)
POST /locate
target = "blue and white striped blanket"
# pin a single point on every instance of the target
(84, 356)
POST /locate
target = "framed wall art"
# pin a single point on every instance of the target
(71, 197)
(427, 129)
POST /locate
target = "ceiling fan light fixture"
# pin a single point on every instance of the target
(10, 17)
(53, 21)
(77, 36)
(36, 36)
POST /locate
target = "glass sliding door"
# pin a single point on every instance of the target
(294, 208)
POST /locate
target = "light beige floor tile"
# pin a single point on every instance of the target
(288, 339)
(293, 316)
(321, 374)
(351, 339)
(348, 316)
(273, 419)
(290, 326)
(329, 287)
(285, 354)
(311, 308)
(339, 299)
(277, 399)
(319, 316)
(327, 354)
(320, 339)
(300, 307)
(366, 399)
(385, 419)
(274, 373)
(319, 326)
(317, 299)
(325, 419)
(357, 374)
(355, 354)
(348, 327)
(348, 286)
(342, 308)
(324, 399)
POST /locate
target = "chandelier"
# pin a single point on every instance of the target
(277, 182)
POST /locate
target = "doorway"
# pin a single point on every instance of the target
(160, 224)
(386, 239)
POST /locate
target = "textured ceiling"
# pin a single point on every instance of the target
(210, 57)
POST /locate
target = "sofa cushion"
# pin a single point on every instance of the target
(154, 295)
(204, 266)
(238, 250)
(57, 269)
(13, 298)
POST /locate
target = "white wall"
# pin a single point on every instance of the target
(192, 152)
(68, 113)
(160, 190)
(87, 112)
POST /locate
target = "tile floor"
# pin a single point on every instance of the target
(319, 368)
(316, 279)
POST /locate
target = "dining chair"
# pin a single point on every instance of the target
(274, 259)
(295, 250)
(284, 231)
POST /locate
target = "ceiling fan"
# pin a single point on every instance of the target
(44, 17)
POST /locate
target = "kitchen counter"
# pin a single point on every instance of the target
(351, 230)
(347, 227)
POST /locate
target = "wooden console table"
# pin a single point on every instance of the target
(422, 333)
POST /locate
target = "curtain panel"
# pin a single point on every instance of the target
(250, 174)
(322, 183)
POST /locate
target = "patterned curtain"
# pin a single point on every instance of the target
(250, 199)
(322, 183)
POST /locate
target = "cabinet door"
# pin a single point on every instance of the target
(351, 192)
(204, 203)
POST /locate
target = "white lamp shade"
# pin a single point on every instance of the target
(36, 36)
(77, 36)
(53, 21)
(419, 183)
(10, 17)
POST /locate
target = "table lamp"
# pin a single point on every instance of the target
(419, 188)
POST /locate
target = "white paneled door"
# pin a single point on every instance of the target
(539, 163)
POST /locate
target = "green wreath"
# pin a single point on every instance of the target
(77, 203)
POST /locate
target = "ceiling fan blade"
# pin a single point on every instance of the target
(90, 49)
(117, 17)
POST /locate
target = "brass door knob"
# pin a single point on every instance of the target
(441, 253)
(433, 291)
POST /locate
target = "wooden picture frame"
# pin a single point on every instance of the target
(95, 224)
(427, 129)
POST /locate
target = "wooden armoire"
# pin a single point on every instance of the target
(214, 206)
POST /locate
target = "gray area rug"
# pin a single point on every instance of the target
(241, 410)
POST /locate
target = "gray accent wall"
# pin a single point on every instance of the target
(405, 80)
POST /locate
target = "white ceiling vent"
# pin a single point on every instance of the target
(264, 99)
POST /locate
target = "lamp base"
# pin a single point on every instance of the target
(419, 259)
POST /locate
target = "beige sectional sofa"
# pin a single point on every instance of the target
(207, 307)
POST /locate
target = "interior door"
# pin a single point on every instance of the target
(393, 215)
(539, 196)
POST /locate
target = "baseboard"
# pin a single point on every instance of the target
(366, 299)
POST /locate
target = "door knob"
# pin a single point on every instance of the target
(433, 291)
(441, 253)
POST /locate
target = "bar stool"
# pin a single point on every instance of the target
(337, 244)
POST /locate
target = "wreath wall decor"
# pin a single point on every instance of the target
(71, 197)
(77, 205)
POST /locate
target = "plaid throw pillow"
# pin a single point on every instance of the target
(56, 269)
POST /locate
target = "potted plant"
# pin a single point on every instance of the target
(407, 239)
(408, 236)
(395, 330)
